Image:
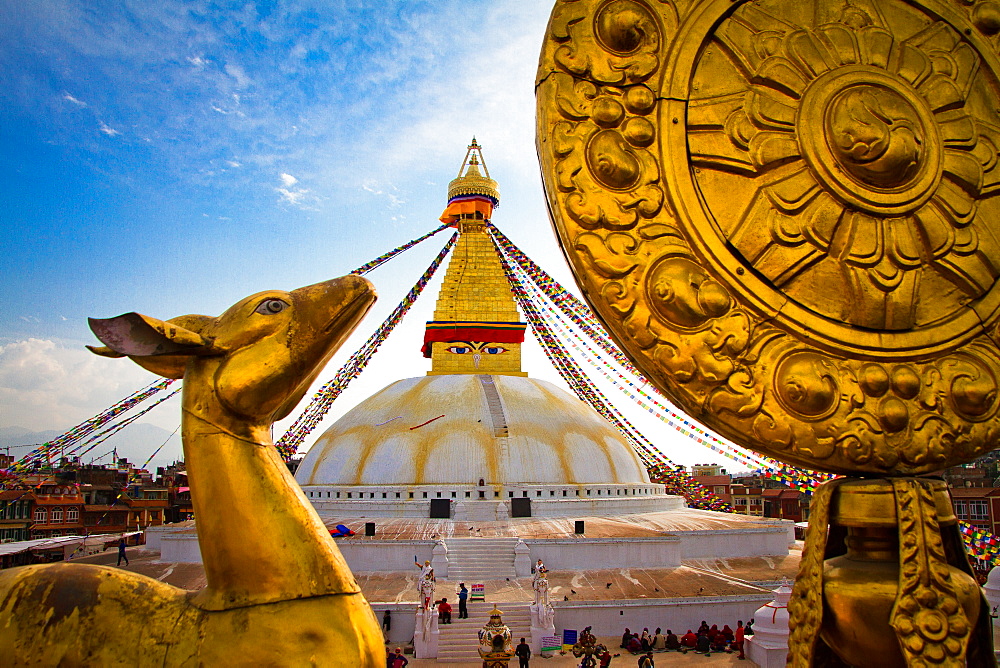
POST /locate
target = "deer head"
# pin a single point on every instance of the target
(258, 358)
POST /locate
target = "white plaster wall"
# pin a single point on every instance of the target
(593, 553)
(609, 618)
(720, 543)
(371, 556)
(181, 547)
(403, 617)
(486, 508)
(338, 508)
(765, 656)
(604, 506)
(154, 534)
(363, 556)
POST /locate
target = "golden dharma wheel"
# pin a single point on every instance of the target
(785, 211)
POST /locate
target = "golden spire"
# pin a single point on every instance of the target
(473, 182)
(476, 328)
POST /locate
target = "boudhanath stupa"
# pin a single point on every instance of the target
(479, 471)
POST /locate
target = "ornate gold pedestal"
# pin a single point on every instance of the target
(785, 213)
(884, 561)
(495, 645)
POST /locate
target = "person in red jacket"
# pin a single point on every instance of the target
(444, 611)
(689, 639)
(739, 639)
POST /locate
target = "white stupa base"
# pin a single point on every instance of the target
(425, 638)
(537, 633)
(542, 624)
(764, 654)
(769, 645)
(551, 500)
(991, 590)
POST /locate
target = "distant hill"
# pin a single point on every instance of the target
(135, 442)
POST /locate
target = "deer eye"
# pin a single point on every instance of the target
(271, 306)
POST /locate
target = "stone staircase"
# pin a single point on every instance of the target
(497, 415)
(459, 641)
(480, 559)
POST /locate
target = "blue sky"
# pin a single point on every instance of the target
(173, 157)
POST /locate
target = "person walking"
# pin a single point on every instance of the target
(386, 622)
(523, 653)
(463, 598)
(121, 551)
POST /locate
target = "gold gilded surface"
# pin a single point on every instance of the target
(475, 290)
(805, 606)
(890, 566)
(935, 606)
(870, 503)
(785, 212)
(279, 591)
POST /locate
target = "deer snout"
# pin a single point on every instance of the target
(332, 309)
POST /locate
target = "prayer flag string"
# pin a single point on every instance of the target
(673, 477)
(582, 318)
(87, 428)
(323, 399)
(385, 257)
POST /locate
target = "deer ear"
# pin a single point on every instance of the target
(162, 347)
(138, 335)
(168, 366)
(104, 351)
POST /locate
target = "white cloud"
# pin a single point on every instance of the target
(233, 164)
(394, 200)
(70, 98)
(296, 197)
(239, 74)
(300, 197)
(47, 385)
(108, 130)
(198, 61)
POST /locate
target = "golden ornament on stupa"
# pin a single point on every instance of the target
(785, 212)
(476, 327)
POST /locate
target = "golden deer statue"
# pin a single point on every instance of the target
(278, 590)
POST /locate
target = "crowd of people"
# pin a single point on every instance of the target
(706, 640)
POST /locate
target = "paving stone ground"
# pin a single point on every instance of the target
(626, 660)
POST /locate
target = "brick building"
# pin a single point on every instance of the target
(979, 506)
(747, 500)
(16, 506)
(786, 503)
(716, 484)
(57, 509)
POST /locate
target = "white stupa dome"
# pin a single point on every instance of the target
(464, 428)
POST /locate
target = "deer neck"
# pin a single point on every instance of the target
(261, 540)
